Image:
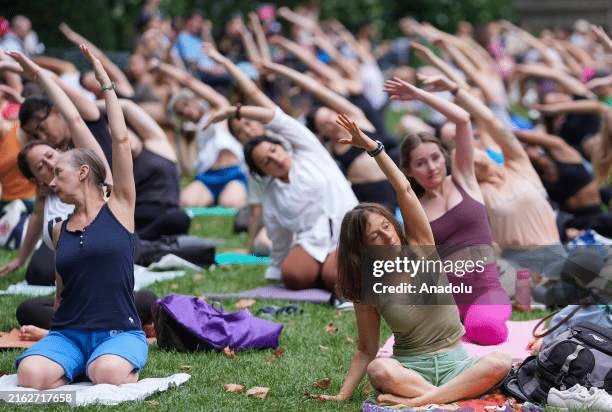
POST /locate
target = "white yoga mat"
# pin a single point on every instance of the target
(88, 393)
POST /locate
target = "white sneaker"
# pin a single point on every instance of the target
(579, 397)
(601, 400)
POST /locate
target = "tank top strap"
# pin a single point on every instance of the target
(464, 194)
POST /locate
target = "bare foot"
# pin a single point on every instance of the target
(33, 333)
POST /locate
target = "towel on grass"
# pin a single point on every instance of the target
(88, 393)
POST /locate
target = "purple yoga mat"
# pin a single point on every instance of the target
(277, 292)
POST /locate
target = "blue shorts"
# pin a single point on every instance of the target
(216, 180)
(74, 349)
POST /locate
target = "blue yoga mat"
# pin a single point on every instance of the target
(233, 258)
(210, 211)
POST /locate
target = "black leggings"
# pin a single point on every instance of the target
(39, 311)
(153, 222)
(41, 270)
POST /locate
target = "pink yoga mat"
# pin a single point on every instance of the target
(519, 334)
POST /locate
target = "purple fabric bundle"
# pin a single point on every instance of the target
(188, 323)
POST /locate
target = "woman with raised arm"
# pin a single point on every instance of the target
(522, 221)
(58, 122)
(367, 181)
(425, 335)
(455, 208)
(97, 238)
(304, 200)
(219, 177)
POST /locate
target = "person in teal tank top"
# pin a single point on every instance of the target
(95, 331)
(429, 363)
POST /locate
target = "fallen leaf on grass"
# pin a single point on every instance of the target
(337, 314)
(348, 339)
(331, 328)
(244, 303)
(225, 267)
(258, 392)
(174, 286)
(340, 368)
(186, 366)
(322, 384)
(152, 403)
(197, 276)
(323, 347)
(277, 352)
(197, 226)
(229, 352)
(233, 387)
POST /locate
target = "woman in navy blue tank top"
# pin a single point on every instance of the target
(458, 217)
(96, 331)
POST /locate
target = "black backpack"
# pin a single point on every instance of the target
(582, 355)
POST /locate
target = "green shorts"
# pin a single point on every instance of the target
(440, 367)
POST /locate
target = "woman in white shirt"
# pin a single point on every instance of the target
(304, 202)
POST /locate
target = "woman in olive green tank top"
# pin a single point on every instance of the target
(429, 364)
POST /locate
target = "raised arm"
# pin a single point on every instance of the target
(557, 147)
(331, 99)
(249, 43)
(123, 196)
(416, 224)
(573, 106)
(297, 19)
(501, 134)
(185, 79)
(146, 127)
(349, 67)
(260, 37)
(428, 56)
(80, 134)
(602, 36)
(464, 139)
(309, 59)
(571, 84)
(248, 86)
(122, 84)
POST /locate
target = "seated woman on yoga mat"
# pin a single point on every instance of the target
(304, 202)
(97, 239)
(455, 208)
(429, 363)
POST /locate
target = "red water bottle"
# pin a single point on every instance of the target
(522, 293)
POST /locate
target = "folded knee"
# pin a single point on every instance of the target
(498, 364)
(378, 372)
(35, 376)
(111, 371)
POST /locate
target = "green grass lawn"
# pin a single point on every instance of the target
(310, 352)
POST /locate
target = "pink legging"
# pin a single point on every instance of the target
(485, 311)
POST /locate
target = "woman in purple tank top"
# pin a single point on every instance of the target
(455, 208)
